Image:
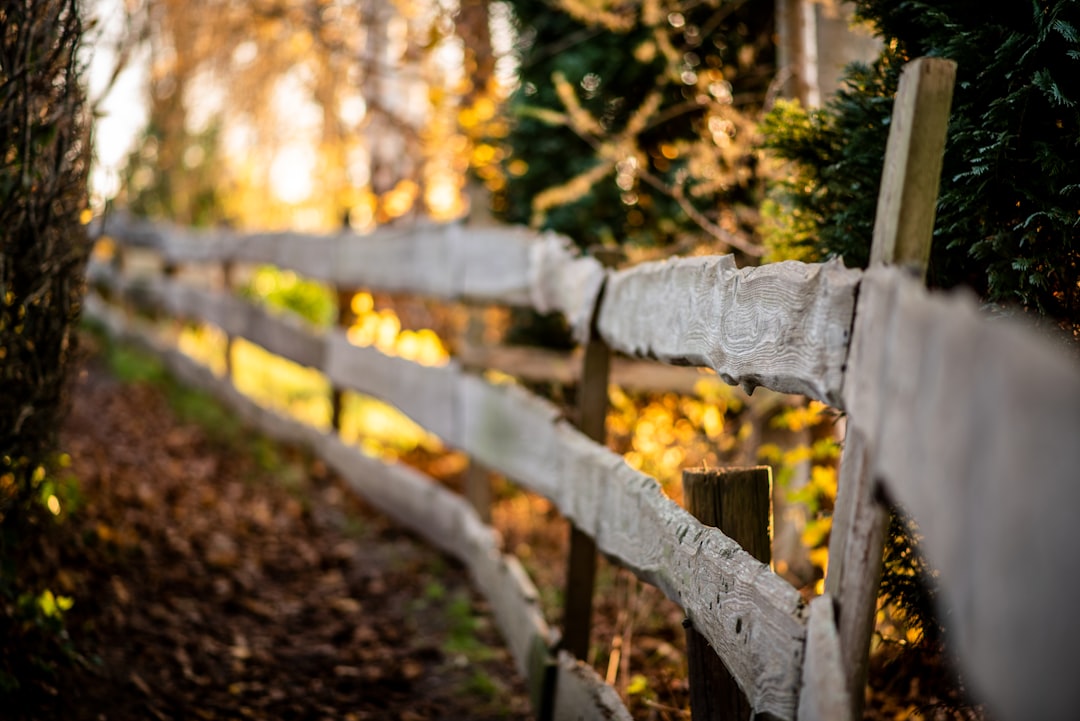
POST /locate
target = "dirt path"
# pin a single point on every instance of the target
(218, 576)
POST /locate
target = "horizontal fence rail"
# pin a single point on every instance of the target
(784, 326)
(973, 426)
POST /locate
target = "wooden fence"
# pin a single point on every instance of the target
(971, 425)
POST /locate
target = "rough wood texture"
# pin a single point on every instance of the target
(583, 695)
(824, 695)
(750, 616)
(561, 281)
(450, 261)
(907, 201)
(759, 634)
(973, 427)
(737, 502)
(784, 326)
(856, 544)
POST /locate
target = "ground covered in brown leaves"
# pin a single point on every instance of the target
(216, 575)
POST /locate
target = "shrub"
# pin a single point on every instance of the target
(1007, 216)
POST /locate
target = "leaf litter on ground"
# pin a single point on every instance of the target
(216, 575)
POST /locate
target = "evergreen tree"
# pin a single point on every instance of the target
(634, 122)
(1008, 216)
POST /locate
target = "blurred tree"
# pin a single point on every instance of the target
(246, 98)
(44, 134)
(1007, 218)
(634, 121)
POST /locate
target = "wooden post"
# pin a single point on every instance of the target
(345, 318)
(736, 501)
(169, 271)
(581, 565)
(592, 402)
(227, 269)
(903, 230)
(119, 265)
(907, 200)
(477, 477)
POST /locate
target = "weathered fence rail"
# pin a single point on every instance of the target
(971, 425)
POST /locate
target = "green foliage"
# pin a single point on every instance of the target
(626, 115)
(285, 291)
(1007, 216)
(33, 623)
(462, 638)
(907, 582)
(176, 177)
(481, 684)
(131, 366)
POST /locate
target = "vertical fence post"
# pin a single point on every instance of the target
(228, 268)
(592, 402)
(169, 271)
(119, 264)
(735, 500)
(903, 229)
(477, 477)
(345, 318)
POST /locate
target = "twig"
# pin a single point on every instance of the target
(676, 193)
(664, 707)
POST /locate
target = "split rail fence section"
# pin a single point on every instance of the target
(971, 425)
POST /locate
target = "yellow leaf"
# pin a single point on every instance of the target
(638, 685)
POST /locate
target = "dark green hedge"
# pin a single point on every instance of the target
(1008, 217)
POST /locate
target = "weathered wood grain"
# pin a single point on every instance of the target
(750, 616)
(760, 632)
(736, 501)
(592, 411)
(428, 395)
(560, 280)
(583, 696)
(784, 326)
(824, 695)
(856, 544)
(508, 265)
(907, 200)
(973, 427)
